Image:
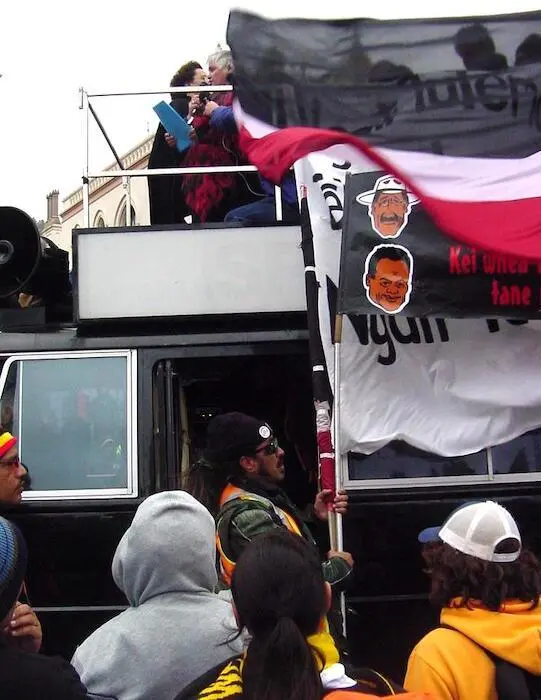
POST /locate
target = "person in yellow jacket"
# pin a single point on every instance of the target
(488, 587)
(280, 597)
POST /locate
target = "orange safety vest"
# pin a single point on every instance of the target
(230, 493)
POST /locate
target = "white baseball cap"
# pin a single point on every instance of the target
(386, 183)
(477, 529)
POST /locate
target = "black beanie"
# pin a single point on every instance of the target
(231, 436)
(13, 558)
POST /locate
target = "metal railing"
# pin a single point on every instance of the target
(127, 173)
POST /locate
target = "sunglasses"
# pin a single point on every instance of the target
(12, 463)
(270, 449)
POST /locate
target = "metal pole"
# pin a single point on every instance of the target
(184, 89)
(339, 533)
(86, 140)
(338, 526)
(196, 170)
(278, 203)
(105, 136)
(126, 183)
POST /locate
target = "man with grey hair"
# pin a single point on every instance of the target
(220, 65)
(262, 208)
(209, 195)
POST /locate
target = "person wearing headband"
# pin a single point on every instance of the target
(13, 473)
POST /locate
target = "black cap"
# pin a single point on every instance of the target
(234, 435)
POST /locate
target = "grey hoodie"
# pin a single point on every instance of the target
(176, 628)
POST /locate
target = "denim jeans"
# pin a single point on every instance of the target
(263, 212)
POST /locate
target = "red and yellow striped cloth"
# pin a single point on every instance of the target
(7, 442)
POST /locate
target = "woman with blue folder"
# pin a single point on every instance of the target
(167, 202)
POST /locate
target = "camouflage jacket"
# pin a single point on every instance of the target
(240, 520)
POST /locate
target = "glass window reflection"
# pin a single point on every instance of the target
(398, 460)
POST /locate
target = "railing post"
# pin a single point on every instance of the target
(126, 184)
(86, 144)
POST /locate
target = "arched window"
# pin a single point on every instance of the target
(121, 216)
(99, 220)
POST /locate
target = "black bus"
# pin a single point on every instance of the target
(113, 406)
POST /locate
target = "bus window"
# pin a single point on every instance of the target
(398, 464)
(399, 460)
(519, 456)
(72, 416)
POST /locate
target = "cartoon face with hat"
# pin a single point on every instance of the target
(389, 204)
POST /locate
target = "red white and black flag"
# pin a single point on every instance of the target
(451, 110)
(451, 107)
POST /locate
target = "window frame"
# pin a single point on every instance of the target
(131, 490)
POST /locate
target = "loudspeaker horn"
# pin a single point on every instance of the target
(20, 250)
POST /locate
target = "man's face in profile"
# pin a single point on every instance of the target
(388, 212)
(389, 286)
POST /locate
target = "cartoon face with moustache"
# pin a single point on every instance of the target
(389, 204)
(387, 277)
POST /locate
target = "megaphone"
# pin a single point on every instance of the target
(20, 250)
(29, 262)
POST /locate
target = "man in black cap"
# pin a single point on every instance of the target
(239, 479)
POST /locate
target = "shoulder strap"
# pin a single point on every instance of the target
(511, 681)
(193, 690)
(373, 683)
(232, 508)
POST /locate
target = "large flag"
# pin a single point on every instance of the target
(451, 107)
(447, 386)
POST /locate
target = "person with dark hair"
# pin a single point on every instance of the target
(281, 598)
(25, 674)
(529, 51)
(238, 480)
(488, 588)
(388, 277)
(211, 195)
(167, 205)
(476, 48)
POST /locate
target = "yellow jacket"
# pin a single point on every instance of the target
(451, 667)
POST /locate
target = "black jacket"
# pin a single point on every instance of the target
(166, 199)
(27, 676)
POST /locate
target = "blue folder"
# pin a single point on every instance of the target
(174, 124)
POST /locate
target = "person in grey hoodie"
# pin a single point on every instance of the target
(175, 628)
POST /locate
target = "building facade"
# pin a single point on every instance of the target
(108, 200)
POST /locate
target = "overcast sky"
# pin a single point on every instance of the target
(50, 49)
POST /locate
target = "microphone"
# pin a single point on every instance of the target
(203, 99)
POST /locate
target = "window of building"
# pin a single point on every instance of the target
(74, 417)
(399, 464)
(99, 220)
(121, 216)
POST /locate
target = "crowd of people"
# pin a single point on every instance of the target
(259, 625)
(210, 197)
